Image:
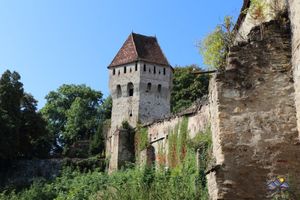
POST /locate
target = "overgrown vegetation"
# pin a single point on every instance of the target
(141, 139)
(214, 48)
(137, 184)
(187, 87)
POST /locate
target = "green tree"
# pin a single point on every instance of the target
(187, 87)
(215, 46)
(11, 92)
(35, 140)
(72, 113)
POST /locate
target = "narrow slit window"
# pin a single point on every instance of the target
(145, 69)
(154, 70)
(125, 70)
(119, 91)
(148, 87)
(159, 88)
(164, 71)
(130, 89)
(136, 66)
(114, 71)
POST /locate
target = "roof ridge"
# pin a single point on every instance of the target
(137, 54)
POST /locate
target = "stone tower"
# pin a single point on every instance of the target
(140, 82)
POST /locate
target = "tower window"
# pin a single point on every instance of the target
(164, 71)
(125, 70)
(148, 87)
(114, 71)
(149, 70)
(130, 89)
(154, 70)
(136, 66)
(145, 67)
(130, 70)
(159, 88)
(118, 72)
(119, 91)
(158, 71)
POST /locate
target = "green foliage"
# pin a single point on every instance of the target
(72, 113)
(141, 138)
(214, 48)
(187, 87)
(23, 132)
(258, 10)
(137, 183)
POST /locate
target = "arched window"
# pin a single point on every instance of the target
(130, 89)
(148, 87)
(159, 88)
(119, 91)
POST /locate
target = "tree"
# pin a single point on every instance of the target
(22, 130)
(187, 87)
(35, 140)
(11, 92)
(72, 113)
(215, 46)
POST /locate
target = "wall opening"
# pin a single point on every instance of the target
(164, 71)
(136, 66)
(114, 71)
(154, 70)
(145, 69)
(148, 87)
(125, 70)
(159, 88)
(130, 89)
(119, 91)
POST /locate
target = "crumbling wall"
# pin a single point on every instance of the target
(253, 118)
(158, 132)
(295, 23)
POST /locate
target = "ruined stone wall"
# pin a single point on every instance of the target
(253, 118)
(272, 8)
(198, 121)
(294, 6)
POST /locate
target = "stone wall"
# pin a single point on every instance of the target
(158, 132)
(253, 118)
(295, 22)
(272, 8)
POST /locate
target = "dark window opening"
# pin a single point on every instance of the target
(154, 70)
(148, 87)
(164, 71)
(114, 71)
(149, 70)
(145, 67)
(119, 91)
(158, 71)
(130, 70)
(130, 114)
(130, 89)
(118, 72)
(125, 70)
(136, 66)
(159, 88)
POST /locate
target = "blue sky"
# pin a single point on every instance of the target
(52, 42)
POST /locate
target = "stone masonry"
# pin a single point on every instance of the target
(140, 82)
(254, 125)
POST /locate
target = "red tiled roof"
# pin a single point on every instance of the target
(140, 47)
